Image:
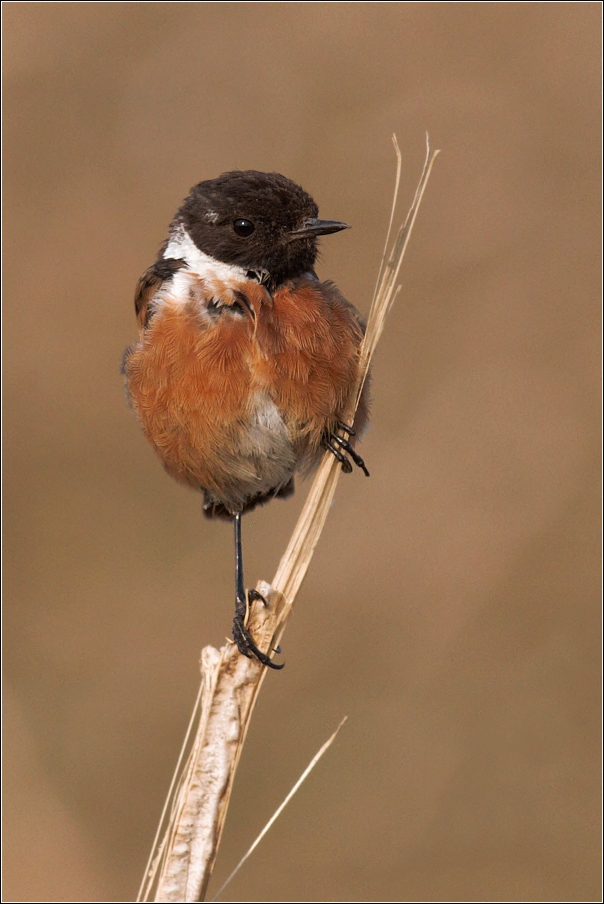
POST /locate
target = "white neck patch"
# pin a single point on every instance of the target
(182, 246)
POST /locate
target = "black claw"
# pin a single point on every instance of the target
(354, 455)
(328, 442)
(346, 466)
(253, 595)
(342, 426)
(242, 636)
(246, 645)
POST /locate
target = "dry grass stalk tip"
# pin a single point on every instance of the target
(180, 867)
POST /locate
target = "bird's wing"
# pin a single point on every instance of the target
(149, 283)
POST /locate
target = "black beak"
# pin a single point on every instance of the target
(316, 227)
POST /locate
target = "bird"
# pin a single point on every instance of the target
(246, 361)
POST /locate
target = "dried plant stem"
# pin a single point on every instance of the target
(180, 868)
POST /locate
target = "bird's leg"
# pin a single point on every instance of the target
(241, 635)
(343, 448)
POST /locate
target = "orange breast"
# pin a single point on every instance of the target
(189, 381)
(206, 390)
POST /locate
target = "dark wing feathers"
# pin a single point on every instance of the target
(149, 283)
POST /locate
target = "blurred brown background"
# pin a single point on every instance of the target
(452, 607)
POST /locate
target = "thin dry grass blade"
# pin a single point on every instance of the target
(281, 807)
(386, 289)
(397, 182)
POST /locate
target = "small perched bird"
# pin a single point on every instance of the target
(245, 361)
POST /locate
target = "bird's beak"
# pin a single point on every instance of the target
(312, 226)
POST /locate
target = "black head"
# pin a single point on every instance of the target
(259, 221)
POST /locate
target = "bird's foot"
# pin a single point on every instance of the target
(341, 449)
(253, 595)
(242, 636)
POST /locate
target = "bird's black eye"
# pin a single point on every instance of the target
(243, 227)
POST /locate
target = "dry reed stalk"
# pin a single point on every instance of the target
(181, 865)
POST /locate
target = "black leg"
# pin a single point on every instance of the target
(239, 585)
(241, 635)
